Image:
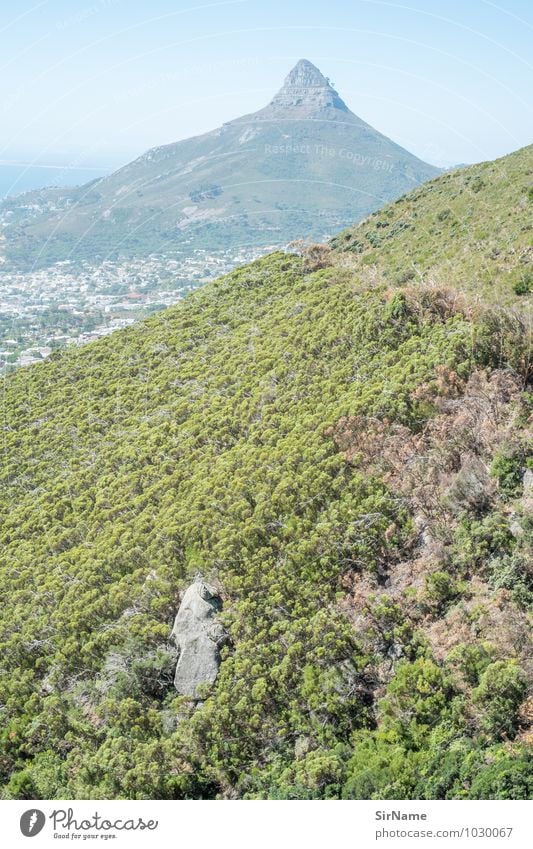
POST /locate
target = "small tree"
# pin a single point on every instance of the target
(501, 690)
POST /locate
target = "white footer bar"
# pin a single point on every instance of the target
(254, 824)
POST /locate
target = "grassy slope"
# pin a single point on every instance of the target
(470, 228)
(204, 438)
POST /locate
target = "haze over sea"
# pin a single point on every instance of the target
(17, 177)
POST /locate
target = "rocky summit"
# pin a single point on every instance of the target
(305, 88)
(303, 166)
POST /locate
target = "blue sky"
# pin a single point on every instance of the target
(97, 82)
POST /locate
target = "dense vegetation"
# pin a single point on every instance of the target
(345, 460)
(471, 227)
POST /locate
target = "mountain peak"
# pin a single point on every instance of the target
(307, 166)
(305, 74)
(305, 86)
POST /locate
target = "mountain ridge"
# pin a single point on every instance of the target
(304, 165)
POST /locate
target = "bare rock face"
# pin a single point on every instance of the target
(199, 638)
(305, 88)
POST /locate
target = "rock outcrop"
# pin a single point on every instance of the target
(199, 638)
(305, 88)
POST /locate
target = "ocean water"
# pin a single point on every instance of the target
(18, 178)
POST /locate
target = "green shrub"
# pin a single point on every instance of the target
(500, 692)
(509, 777)
(523, 284)
(379, 769)
(444, 214)
(442, 589)
(416, 699)
(477, 541)
(470, 660)
(513, 572)
(465, 769)
(507, 468)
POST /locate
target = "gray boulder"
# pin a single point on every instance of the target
(528, 483)
(199, 638)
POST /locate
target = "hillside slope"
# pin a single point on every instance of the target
(305, 165)
(471, 228)
(348, 463)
